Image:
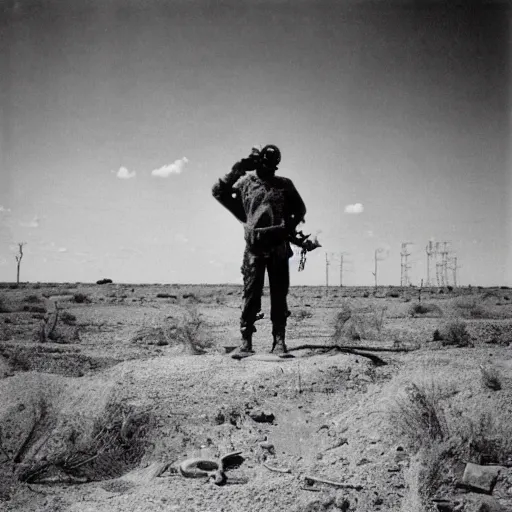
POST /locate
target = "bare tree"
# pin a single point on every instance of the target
(18, 260)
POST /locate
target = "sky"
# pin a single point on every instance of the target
(117, 117)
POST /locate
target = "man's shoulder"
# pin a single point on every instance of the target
(283, 181)
(243, 181)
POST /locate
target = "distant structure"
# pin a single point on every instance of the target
(444, 264)
(404, 265)
(438, 254)
(452, 261)
(327, 263)
(431, 251)
(19, 257)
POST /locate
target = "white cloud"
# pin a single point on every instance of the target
(354, 208)
(62, 249)
(369, 233)
(4, 210)
(125, 174)
(34, 223)
(175, 168)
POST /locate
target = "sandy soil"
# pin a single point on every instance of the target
(323, 414)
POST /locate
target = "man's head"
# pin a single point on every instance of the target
(269, 159)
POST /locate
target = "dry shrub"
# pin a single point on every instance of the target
(191, 332)
(33, 299)
(491, 378)
(153, 335)
(433, 472)
(102, 448)
(454, 334)
(51, 330)
(358, 323)
(419, 416)
(471, 308)
(302, 315)
(3, 306)
(81, 298)
(68, 318)
(425, 309)
(486, 438)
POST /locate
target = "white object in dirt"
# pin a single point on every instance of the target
(480, 477)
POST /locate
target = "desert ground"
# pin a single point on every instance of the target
(397, 399)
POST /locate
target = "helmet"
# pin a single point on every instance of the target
(270, 156)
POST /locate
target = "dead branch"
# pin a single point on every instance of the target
(348, 347)
(311, 479)
(277, 470)
(18, 457)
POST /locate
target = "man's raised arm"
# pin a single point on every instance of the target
(225, 191)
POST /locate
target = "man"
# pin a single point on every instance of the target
(270, 208)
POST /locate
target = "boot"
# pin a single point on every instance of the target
(245, 348)
(279, 346)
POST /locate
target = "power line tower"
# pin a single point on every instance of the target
(431, 251)
(404, 265)
(439, 272)
(444, 263)
(453, 267)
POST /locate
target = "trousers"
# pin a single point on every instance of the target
(253, 271)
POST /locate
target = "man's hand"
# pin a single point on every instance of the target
(310, 245)
(250, 163)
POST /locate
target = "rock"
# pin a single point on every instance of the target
(268, 446)
(443, 505)
(479, 477)
(262, 417)
(342, 503)
(145, 475)
(485, 504)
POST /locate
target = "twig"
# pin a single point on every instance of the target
(36, 490)
(28, 439)
(277, 470)
(348, 347)
(357, 487)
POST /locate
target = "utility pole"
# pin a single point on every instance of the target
(375, 273)
(327, 263)
(430, 250)
(341, 270)
(19, 256)
(404, 266)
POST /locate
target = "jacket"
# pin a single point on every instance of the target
(270, 209)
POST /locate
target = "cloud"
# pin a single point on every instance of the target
(4, 210)
(34, 223)
(62, 249)
(354, 208)
(175, 168)
(125, 174)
